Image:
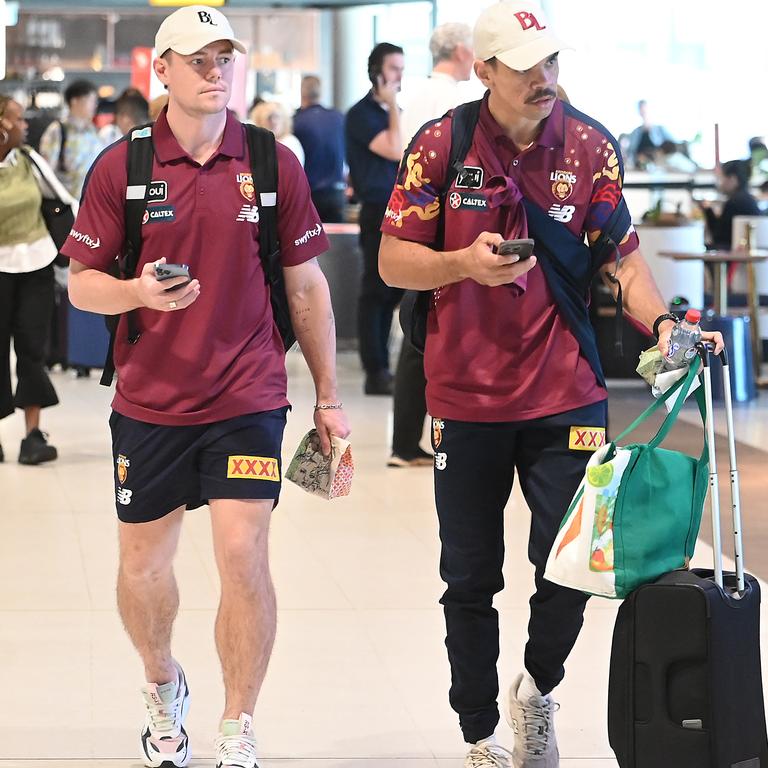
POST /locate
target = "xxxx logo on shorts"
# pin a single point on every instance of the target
(253, 468)
(122, 468)
(586, 438)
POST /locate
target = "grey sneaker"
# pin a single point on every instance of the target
(487, 756)
(534, 728)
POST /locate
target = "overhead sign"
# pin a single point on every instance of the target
(180, 3)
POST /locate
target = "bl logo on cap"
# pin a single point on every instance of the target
(206, 18)
(529, 21)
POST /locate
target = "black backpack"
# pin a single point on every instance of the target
(553, 242)
(263, 157)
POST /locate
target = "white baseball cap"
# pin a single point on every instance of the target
(518, 34)
(190, 29)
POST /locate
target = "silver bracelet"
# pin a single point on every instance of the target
(329, 407)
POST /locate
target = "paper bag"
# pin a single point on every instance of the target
(325, 476)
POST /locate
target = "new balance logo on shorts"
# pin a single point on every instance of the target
(253, 468)
(124, 496)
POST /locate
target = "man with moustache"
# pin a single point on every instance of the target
(513, 379)
(200, 406)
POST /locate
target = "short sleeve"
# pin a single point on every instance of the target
(50, 143)
(99, 230)
(360, 129)
(301, 234)
(413, 210)
(606, 196)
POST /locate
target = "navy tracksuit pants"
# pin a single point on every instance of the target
(475, 465)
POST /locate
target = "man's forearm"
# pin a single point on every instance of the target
(95, 291)
(640, 293)
(404, 264)
(315, 328)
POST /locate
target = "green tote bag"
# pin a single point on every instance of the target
(637, 511)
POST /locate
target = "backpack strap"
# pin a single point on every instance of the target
(139, 161)
(263, 157)
(463, 123)
(61, 166)
(414, 306)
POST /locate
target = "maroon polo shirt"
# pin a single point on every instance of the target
(493, 354)
(222, 356)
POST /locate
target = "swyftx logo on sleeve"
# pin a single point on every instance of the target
(85, 239)
(308, 235)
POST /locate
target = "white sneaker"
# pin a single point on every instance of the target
(533, 724)
(487, 756)
(164, 742)
(236, 745)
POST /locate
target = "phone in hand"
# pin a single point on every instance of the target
(169, 271)
(521, 248)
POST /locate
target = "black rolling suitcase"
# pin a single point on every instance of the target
(685, 686)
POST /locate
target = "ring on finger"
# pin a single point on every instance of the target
(172, 304)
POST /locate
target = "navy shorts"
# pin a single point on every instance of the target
(160, 468)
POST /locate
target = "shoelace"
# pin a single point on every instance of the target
(537, 724)
(165, 717)
(488, 756)
(236, 751)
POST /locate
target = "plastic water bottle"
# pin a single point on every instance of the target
(682, 343)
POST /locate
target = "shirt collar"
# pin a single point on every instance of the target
(382, 107)
(167, 147)
(443, 76)
(11, 159)
(552, 134)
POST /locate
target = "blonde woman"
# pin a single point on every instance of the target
(273, 116)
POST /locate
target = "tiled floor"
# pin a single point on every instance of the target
(359, 676)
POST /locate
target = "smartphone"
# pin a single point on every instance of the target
(521, 248)
(169, 271)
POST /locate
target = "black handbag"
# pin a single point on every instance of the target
(59, 219)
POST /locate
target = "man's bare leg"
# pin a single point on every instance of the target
(245, 625)
(147, 595)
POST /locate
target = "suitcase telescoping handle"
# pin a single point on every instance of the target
(705, 351)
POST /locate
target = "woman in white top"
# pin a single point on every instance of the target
(274, 117)
(26, 280)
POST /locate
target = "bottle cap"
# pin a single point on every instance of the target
(693, 316)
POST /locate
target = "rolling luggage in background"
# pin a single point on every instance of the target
(685, 686)
(88, 338)
(737, 334)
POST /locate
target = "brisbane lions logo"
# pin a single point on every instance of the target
(562, 184)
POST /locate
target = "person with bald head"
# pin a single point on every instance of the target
(321, 133)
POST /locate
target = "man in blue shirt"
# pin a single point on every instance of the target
(321, 133)
(374, 147)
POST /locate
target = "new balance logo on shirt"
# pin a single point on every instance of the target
(249, 213)
(562, 213)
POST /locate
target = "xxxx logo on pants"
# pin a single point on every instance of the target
(586, 438)
(253, 468)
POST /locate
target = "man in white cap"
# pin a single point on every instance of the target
(200, 405)
(514, 380)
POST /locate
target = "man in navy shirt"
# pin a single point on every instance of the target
(321, 133)
(374, 145)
